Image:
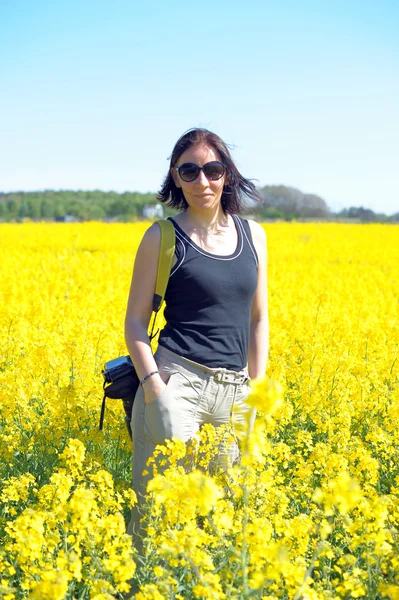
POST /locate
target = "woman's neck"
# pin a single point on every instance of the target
(209, 221)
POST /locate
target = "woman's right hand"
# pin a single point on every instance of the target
(153, 388)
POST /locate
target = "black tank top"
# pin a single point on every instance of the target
(209, 299)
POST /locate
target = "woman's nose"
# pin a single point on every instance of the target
(202, 178)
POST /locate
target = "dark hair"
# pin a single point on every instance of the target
(234, 192)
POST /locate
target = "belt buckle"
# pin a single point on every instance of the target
(226, 377)
(217, 376)
(220, 375)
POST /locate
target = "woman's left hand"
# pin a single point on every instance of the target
(153, 388)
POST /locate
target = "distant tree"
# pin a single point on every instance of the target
(34, 204)
(23, 210)
(12, 208)
(94, 213)
(366, 215)
(59, 209)
(272, 213)
(313, 206)
(47, 209)
(292, 203)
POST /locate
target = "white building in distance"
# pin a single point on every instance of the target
(153, 211)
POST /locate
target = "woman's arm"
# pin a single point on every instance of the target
(259, 332)
(139, 308)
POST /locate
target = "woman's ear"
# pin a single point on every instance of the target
(175, 177)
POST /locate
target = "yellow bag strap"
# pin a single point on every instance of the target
(165, 261)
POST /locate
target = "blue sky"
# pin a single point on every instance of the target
(93, 95)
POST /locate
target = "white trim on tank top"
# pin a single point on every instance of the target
(249, 242)
(178, 264)
(235, 254)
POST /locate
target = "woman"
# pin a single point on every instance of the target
(216, 332)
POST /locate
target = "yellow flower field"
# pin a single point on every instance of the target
(311, 513)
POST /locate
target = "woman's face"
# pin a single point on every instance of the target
(202, 193)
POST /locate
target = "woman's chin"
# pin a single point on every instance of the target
(204, 202)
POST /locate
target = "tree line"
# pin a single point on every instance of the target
(278, 202)
(282, 202)
(83, 205)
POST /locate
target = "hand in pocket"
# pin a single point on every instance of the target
(153, 388)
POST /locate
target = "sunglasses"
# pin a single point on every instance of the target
(213, 170)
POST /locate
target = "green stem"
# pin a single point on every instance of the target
(244, 548)
(308, 573)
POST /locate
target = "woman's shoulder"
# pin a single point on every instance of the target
(259, 238)
(257, 230)
(177, 218)
(151, 240)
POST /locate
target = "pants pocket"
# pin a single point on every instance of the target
(242, 413)
(161, 417)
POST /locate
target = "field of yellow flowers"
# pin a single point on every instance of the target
(311, 513)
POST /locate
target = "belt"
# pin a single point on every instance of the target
(218, 374)
(230, 377)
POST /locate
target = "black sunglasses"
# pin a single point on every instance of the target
(213, 170)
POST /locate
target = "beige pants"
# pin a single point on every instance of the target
(194, 395)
